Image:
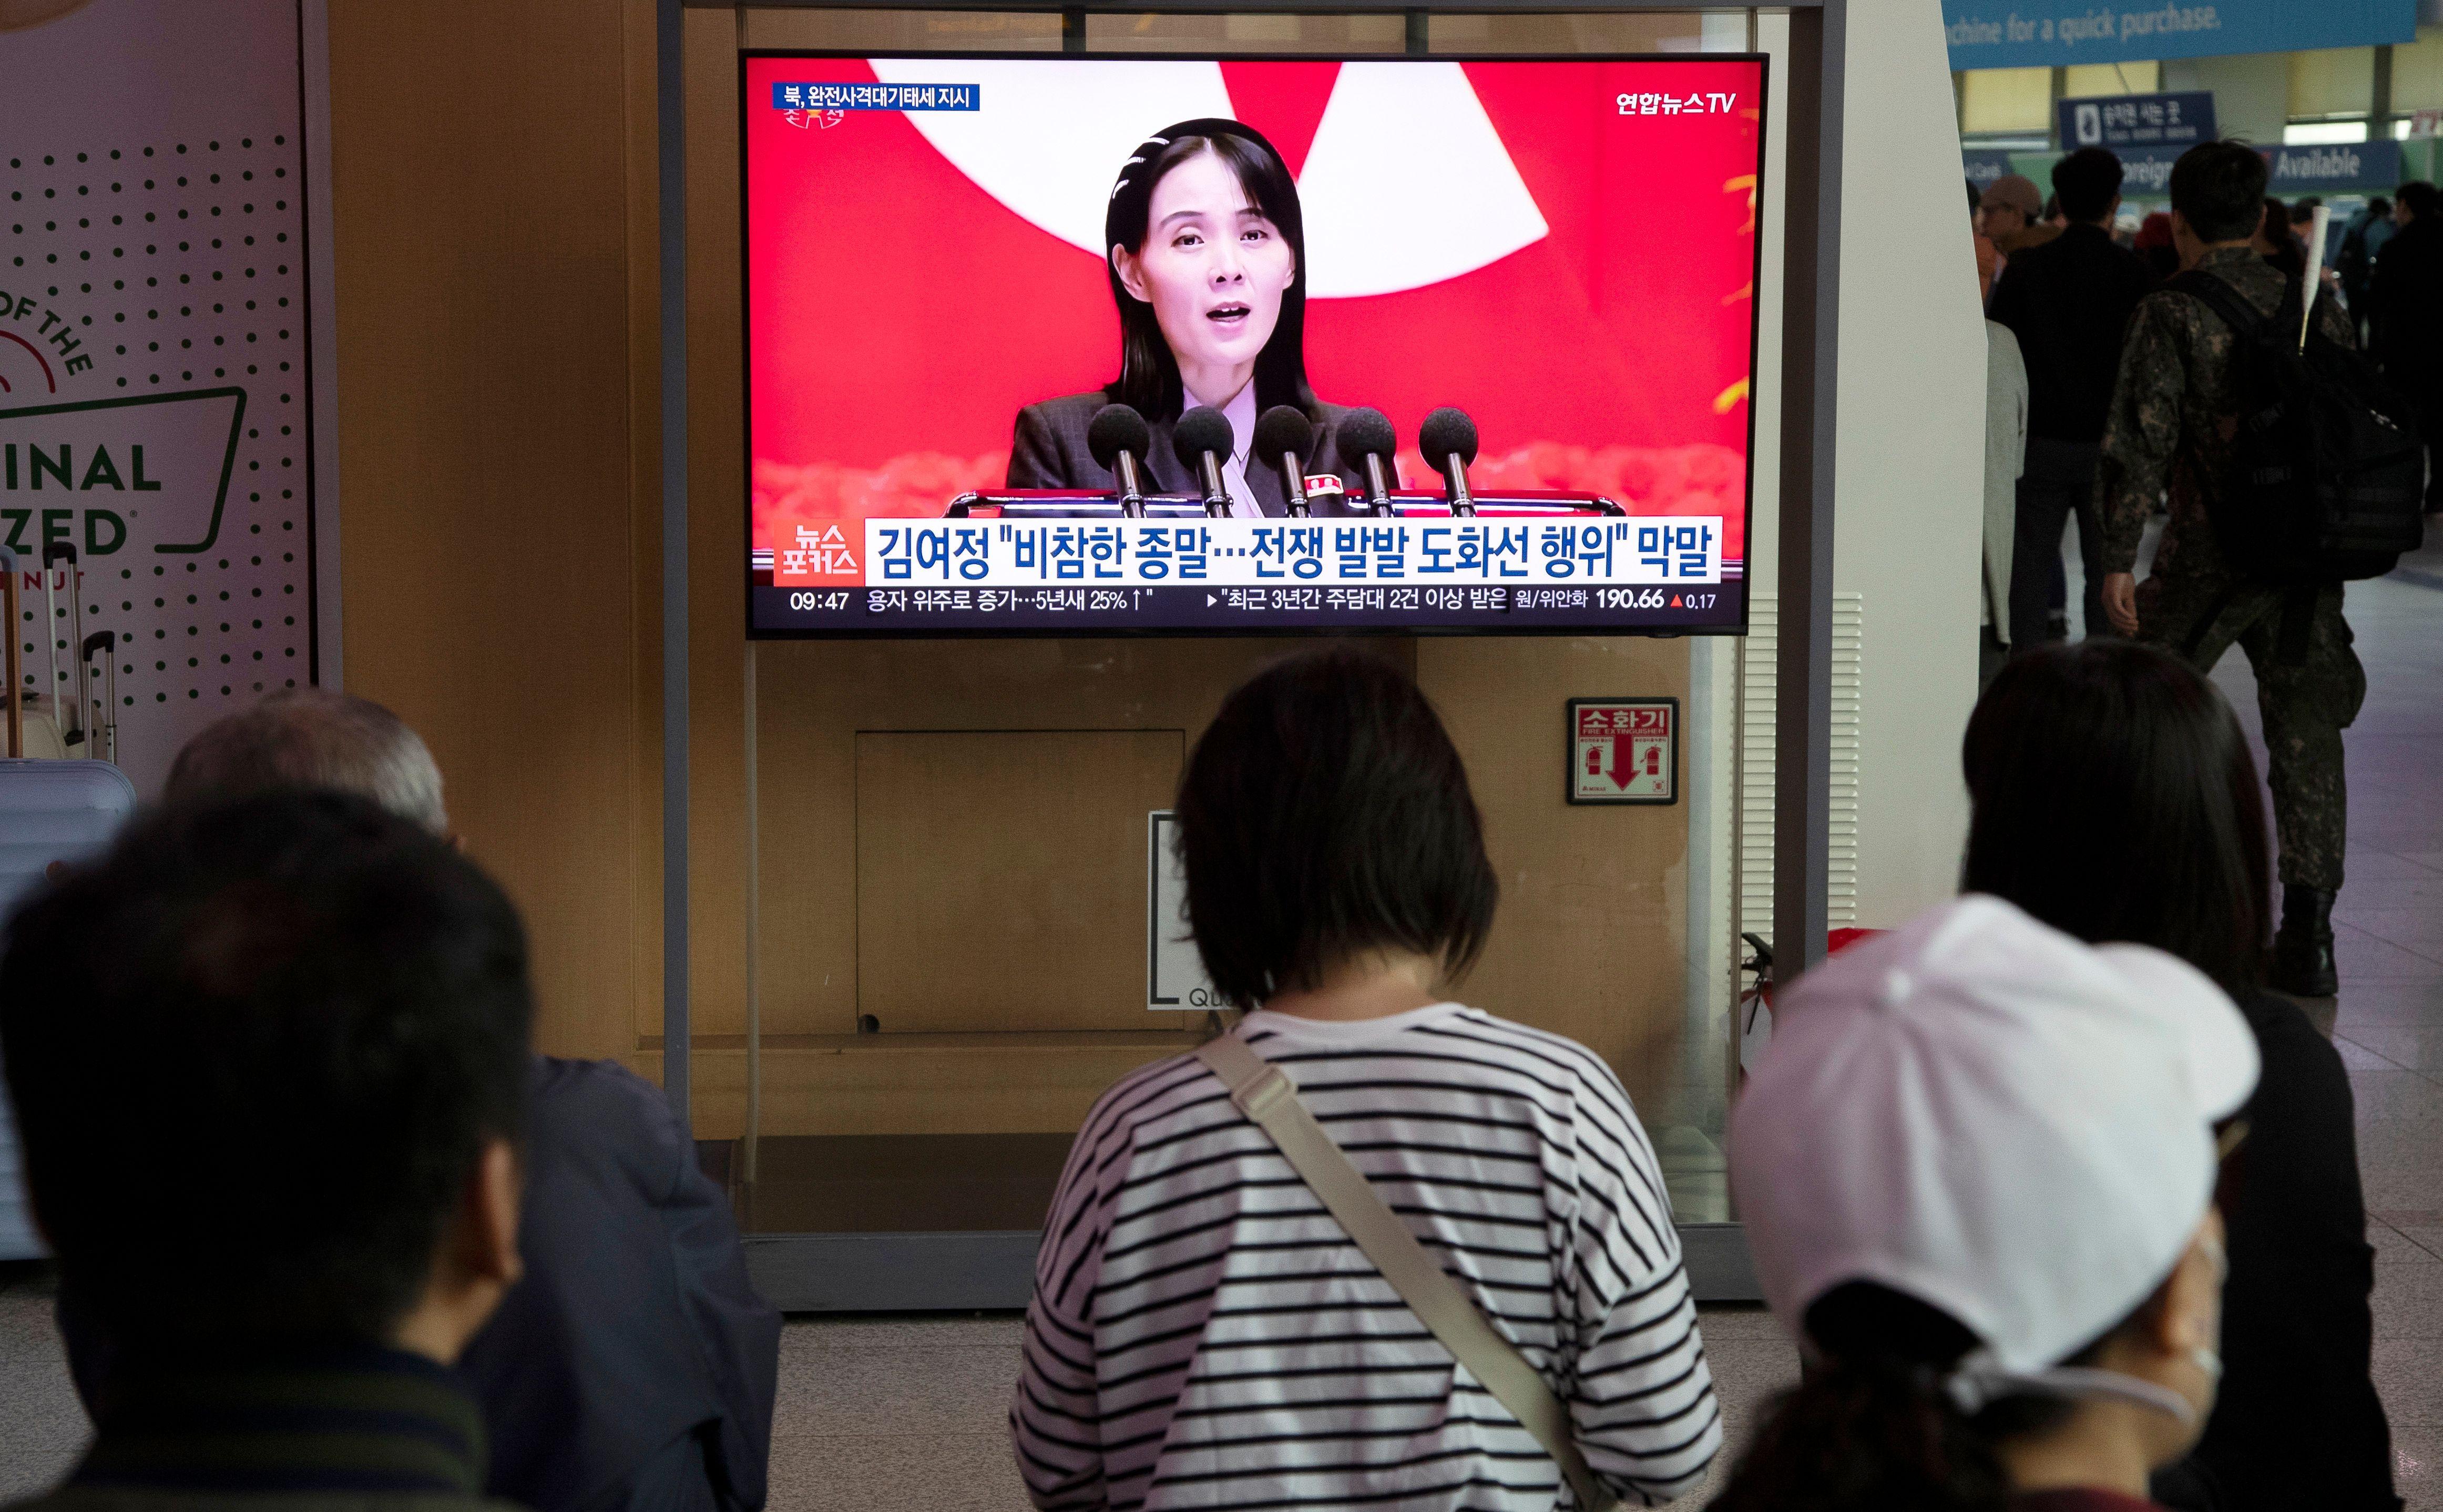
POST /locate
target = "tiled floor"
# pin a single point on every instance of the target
(880, 1415)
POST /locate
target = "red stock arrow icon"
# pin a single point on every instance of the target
(1624, 762)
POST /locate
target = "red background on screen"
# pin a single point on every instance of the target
(899, 314)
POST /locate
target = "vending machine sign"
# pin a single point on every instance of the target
(1624, 750)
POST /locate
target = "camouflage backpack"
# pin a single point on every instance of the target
(2329, 471)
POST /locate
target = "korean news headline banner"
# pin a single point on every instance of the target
(2001, 34)
(1563, 250)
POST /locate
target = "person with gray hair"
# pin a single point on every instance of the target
(312, 737)
(633, 1366)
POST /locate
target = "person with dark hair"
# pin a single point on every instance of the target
(269, 1063)
(2068, 303)
(2174, 413)
(1204, 1332)
(2114, 799)
(633, 1365)
(1976, 1162)
(2278, 242)
(2361, 245)
(2405, 307)
(1206, 259)
(2154, 244)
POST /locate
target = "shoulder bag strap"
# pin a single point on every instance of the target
(2218, 296)
(1265, 1093)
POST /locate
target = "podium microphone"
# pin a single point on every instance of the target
(1117, 436)
(1367, 433)
(1201, 439)
(1448, 440)
(1286, 437)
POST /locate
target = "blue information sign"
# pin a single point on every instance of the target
(2018, 34)
(1986, 165)
(2337, 168)
(2117, 121)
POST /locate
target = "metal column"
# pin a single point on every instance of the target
(1802, 798)
(669, 103)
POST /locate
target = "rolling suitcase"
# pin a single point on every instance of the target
(49, 811)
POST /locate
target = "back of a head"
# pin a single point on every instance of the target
(2114, 798)
(1324, 815)
(310, 737)
(1867, 1432)
(256, 1051)
(2015, 192)
(2218, 187)
(1977, 1163)
(2086, 183)
(2420, 198)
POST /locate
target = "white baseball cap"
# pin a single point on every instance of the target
(1984, 1113)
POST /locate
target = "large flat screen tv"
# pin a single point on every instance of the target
(1111, 345)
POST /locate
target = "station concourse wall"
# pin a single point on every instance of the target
(493, 201)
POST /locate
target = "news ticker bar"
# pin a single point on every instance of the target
(1593, 608)
(1664, 551)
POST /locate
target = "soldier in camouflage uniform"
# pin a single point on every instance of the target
(2174, 414)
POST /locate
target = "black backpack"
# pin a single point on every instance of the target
(2329, 478)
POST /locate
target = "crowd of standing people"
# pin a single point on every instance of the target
(2131, 363)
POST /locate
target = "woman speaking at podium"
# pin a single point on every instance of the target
(1207, 264)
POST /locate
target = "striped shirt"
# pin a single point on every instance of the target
(1204, 1334)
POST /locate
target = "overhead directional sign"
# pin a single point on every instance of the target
(2361, 167)
(2180, 119)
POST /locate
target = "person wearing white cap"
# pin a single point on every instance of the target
(1977, 1166)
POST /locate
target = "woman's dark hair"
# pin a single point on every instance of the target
(1149, 380)
(2218, 187)
(1870, 1428)
(2114, 799)
(1325, 814)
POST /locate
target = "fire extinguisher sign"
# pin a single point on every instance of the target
(1624, 750)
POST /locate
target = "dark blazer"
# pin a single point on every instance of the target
(2405, 299)
(1050, 452)
(2298, 1422)
(2068, 302)
(634, 1351)
(633, 1365)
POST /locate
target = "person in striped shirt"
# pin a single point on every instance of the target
(1204, 1334)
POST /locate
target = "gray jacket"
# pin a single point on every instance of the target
(2006, 457)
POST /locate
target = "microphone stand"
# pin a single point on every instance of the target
(1293, 483)
(1378, 488)
(1132, 486)
(1217, 498)
(1462, 503)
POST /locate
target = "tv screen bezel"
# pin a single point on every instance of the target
(1324, 627)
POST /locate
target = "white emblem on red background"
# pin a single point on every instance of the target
(1398, 143)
